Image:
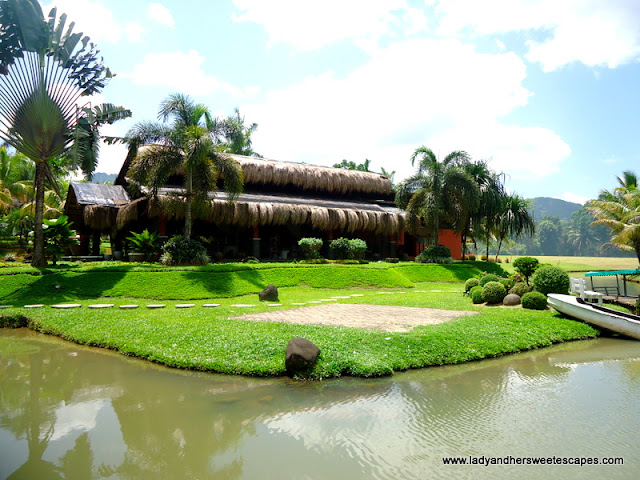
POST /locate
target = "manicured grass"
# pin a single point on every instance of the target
(207, 339)
(578, 264)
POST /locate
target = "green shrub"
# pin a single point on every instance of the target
(489, 277)
(469, 284)
(526, 266)
(182, 251)
(549, 279)
(311, 247)
(58, 236)
(520, 288)
(144, 242)
(534, 301)
(471, 257)
(435, 254)
(493, 292)
(358, 248)
(342, 248)
(476, 294)
(507, 283)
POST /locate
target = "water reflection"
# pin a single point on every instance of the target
(71, 412)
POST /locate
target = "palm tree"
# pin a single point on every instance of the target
(234, 136)
(513, 219)
(44, 71)
(480, 220)
(620, 212)
(436, 191)
(14, 180)
(186, 145)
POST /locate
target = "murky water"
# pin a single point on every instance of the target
(73, 412)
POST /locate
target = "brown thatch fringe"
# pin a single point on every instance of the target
(311, 177)
(129, 213)
(100, 217)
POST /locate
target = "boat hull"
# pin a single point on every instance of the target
(570, 306)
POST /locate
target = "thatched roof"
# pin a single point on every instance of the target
(95, 205)
(251, 209)
(311, 177)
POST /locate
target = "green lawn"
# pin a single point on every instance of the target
(578, 264)
(207, 339)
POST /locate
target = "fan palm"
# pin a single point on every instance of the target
(438, 190)
(45, 69)
(187, 145)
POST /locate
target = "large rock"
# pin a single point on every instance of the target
(302, 355)
(511, 300)
(269, 294)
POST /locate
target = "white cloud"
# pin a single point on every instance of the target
(310, 26)
(160, 14)
(392, 105)
(574, 198)
(182, 72)
(594, 32)
(96, 20)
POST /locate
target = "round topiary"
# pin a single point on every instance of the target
(549, 279)
(526, 266)
(476, 294)
(469, 284)
(534, 301)
(435, 254)
(184, 251)
(520, 289)
(493, 292)
(489, 277)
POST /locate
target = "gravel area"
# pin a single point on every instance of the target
(379, 317)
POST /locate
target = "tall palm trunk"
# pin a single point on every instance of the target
(39, 259)
(187, 209)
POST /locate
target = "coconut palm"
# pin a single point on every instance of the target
(438, 190)
(45, 69)
(513, 219)
(620, 212)
(187, 146)
(234, 136)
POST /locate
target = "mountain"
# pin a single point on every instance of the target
(100, 177)
(554, 207)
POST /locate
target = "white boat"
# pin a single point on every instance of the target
(619, 322)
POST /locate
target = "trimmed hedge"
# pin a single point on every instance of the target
(549, 279)
(534, 301)
(494, 292)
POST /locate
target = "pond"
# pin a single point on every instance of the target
(68, 411)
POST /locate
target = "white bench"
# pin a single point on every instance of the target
(579, 287)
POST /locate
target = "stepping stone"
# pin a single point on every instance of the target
(357, 295)
(315, 301)
(345, 296)
(386, 293)
(156, 305)
(185, 305)
(5, 306)
(37, 305)
(274, 304)
(328, 300)
(128, 307)
(298, 303)
(101, 305)
(67, 305)
(211, 305)
(242, 305)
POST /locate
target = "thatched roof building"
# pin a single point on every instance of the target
(95, 206)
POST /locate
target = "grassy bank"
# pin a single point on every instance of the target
(208, 339)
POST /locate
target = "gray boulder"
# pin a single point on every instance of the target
(511, 300)
(269, 294)
(301, 356)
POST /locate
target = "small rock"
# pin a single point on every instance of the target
(511, 300)
(269, 294)
(301, 356)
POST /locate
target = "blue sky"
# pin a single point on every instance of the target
(547, 90)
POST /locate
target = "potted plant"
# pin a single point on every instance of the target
(144, 246)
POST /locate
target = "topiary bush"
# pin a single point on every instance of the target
(489, 277)
(342, 248)
(311, 247)
(534, 301)
(526, 266)
(520, 288)
(493, 292)
(184, 251)
(549, 279)
(358, 248)
(476, 294)
(435, 254)
(469, 284)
